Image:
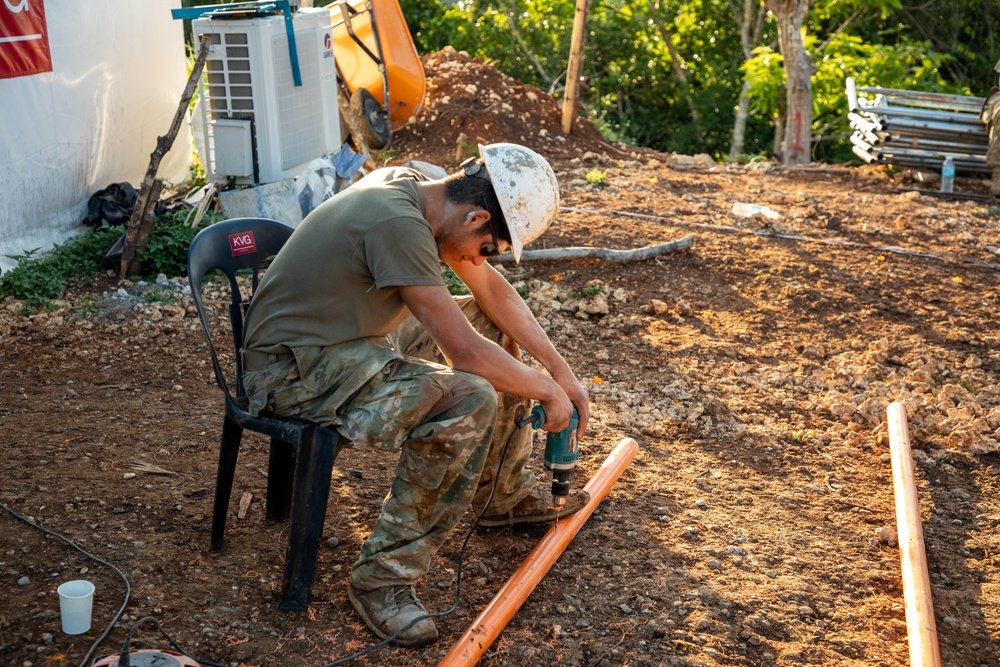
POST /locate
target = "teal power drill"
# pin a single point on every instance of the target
(561, 452)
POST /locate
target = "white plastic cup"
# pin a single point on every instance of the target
(76, 602)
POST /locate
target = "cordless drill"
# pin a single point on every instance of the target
(561, 452)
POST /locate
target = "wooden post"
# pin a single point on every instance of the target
(921, 630)
(572, 102)
(144, 213)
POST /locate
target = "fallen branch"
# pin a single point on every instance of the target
(144, 213)
(787, 237)
(607, 254)
(142, 466)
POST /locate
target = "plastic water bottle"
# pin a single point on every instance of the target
(948, 175)
(746, 210)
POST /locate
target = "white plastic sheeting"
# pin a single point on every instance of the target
(118, 72)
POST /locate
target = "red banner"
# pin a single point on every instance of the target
(24, 39)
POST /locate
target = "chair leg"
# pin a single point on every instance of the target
(228, 453)
(280, 474)
(310, 494)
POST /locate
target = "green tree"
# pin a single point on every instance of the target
(689, 75)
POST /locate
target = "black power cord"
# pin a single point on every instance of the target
(124, 660)
(128, 588)
(519, 423)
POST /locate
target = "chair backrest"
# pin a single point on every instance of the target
(232, 246)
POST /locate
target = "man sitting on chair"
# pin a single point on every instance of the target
(353, 327)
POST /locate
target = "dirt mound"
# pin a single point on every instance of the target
(469, 102)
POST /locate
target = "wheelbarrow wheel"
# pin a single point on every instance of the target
(372, 119)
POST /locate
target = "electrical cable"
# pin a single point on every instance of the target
(128, 588)
(519, 423)
(124, 659)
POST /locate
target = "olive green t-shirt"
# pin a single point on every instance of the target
(337, 277)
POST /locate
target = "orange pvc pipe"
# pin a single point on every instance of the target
(921, 631)
(497, 614)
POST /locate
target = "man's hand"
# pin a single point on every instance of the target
(467, 351)
(578, 395)
(505, 307)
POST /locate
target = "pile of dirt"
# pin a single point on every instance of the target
(469, 102)
(755, 525)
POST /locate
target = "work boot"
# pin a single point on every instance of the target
(537, 507)
(389, 609)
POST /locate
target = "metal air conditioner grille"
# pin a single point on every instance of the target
(229, 84)
(300, 108)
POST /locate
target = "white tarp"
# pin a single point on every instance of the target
(118, 72)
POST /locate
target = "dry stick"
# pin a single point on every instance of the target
(786, 237)
(920, 628)
(141, 222)
(607, 254)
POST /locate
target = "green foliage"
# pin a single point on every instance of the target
(37, 279)
(596, 177)
(387, 155)
(634, 95)
(156, 295)
(453, 283)
(167, 251)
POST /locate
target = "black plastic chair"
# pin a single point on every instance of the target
(302, 452)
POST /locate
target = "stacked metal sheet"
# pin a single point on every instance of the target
(914, 129)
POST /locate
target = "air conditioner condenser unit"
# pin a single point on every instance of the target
(259, 127)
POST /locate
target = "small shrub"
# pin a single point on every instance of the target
(596, 177)
(36, 280)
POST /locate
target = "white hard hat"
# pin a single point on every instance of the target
(526, 188)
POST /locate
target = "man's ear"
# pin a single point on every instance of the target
(476, 218)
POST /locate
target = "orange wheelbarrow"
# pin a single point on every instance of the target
(378, 68)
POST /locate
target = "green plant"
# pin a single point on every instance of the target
(36, 280)
(452, 282)
(167, 251)
(969, 385)
(592, 289)
(85, 309)
(803, 436)
(596, 177)
(156, 295)
(387, 155)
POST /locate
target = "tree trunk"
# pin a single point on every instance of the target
(750, 18)
(791, 15)
(740, 124)
(779, 137)
(144, 213)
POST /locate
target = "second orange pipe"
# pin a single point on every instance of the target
(497, 614)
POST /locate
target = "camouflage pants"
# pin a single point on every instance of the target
(449, 427)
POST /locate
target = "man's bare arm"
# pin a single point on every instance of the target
(505, 307)
(467, 351)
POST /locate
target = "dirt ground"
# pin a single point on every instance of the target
(754, 526)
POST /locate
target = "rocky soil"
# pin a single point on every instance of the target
(756, 525)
